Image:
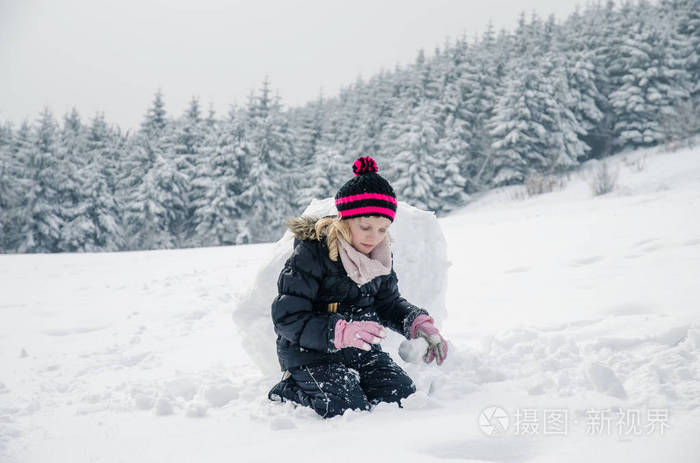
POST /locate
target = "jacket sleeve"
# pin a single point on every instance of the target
(393, 310)
(292, 310)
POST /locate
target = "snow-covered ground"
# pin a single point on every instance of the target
(578, 317)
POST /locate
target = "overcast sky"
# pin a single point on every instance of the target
(113, 56)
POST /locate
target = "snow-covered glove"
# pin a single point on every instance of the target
(358, 334)
(437, 345)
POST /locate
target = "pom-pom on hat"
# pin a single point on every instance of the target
(368, 193)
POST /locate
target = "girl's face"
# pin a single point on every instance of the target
(368, 232)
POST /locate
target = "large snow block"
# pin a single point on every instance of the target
(420, 262)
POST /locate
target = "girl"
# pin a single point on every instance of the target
(337, 292)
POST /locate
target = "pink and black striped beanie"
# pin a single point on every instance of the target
(368, 193)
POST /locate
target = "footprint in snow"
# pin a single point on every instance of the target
(585, 261)
(644, 242)
(630, 309)
(518, 270)
(504, 448)
(280, 423)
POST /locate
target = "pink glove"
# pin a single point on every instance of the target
(437, 345)
(358, 334)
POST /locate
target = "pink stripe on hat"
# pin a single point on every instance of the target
(368, 210)
(362, 196)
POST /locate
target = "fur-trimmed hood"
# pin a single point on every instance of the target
(304, 227)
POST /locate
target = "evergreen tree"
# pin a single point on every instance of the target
(220, 182)
(187, 153)
(157, 205)
(156, 187)
(414, 167)
(156, 118)
(688, 20)
(74, 178)
(584, 99)
(533, 127)
(564, 129)
(42, 223)
(654, 85)
(309, 171)
(267, 151)
(18, 181)
(477, 88)
(11, 189)
(103, 226)
(600, 36)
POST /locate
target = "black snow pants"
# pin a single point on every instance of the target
(362, 379)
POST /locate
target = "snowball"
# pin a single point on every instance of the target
(195, 410)
(413, 351)
(182, 387)
(163, 407)
(144, 401)
(604, 380)
(220, 395)
(673, 336)
(280, 423)
(692, 340)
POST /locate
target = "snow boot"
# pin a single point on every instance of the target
(288, 390)
(280, 391)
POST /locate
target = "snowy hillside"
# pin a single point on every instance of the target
(574, 324)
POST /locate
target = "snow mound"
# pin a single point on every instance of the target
(420, 261)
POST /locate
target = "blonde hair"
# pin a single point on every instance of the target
(332, 227)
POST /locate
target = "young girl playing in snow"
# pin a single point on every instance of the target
(337, 292)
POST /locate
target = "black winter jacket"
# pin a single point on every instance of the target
(315, 292)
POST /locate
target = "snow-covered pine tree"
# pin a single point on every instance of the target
(351, 108)
(155, 191)
(41, 221)
(310, 179)
(564, 130)
(188, 141)
(518, 135)
(414, 166)
(477, 87)
(265, 199)
(18, 171)
(332, 158)
(527, 37)
(103, 207)
(219, 183)
(106, 148)
(533, 129)
(551, 37)
(381, 99)
(156, 117)
(452, 147)
(688, 27)
(597, 34)
(450, 152)
(653, 85)
(12, 185)
(413, 136)
(584, 99)
(156, 206)
(77, 175)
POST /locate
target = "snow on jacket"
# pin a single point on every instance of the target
(315, 292)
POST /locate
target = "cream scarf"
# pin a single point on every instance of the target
(362, 268)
